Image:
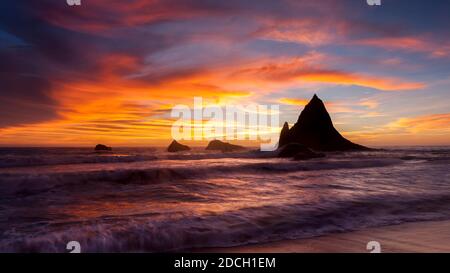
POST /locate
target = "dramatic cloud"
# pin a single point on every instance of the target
(111, 70)
(409, 44)
(299, 70)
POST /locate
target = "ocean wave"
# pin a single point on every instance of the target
(43, 160)
(245, 226)
(25, 184)
(214, 200)
(28, 157)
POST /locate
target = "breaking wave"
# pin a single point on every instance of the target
(147, 200)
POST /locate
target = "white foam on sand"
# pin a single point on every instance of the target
(419, 237)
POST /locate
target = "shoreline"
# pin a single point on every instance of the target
(417, 237)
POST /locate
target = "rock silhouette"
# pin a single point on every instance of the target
(308, 155)
(284, 135)
(298, 152)
(314, 129)
(175, 146)
(223, 146)
(101, 147)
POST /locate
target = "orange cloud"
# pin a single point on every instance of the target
(433, 124)
(413, 44)
(333, 107)
(301, 70)
(115, 108)
(306, 31)
(422, 130)
(345, 78)
(293, 101)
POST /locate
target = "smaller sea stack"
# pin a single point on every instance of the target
(223, 146)
(101, 147)
(175, 146)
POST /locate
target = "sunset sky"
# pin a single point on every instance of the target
(110, 71)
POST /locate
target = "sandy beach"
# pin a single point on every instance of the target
(423, 237)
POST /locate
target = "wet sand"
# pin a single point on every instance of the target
(423, 237)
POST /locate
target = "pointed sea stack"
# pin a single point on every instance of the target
(314, 129)
(223, 146)
(175, 146)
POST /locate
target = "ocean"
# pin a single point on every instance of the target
(147, 200)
